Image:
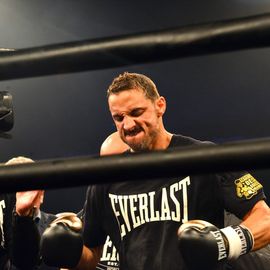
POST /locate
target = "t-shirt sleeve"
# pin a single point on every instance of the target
(93, 233)
(8, 210)
(240, 192)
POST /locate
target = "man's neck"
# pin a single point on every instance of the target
(163, 141)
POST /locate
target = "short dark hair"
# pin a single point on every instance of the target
(127, 81)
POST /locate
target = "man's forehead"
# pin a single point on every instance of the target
(131, 91)
(127, 97)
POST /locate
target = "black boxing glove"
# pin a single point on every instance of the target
(204, 246)
(61, 244)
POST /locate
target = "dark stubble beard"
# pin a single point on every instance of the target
(146, 144)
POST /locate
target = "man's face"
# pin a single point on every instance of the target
(136, 117)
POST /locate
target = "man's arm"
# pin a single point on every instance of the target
(213, 245)
(259, 258)
(90, 257)
(258, 222)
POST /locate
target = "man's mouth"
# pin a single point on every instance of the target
(132, 133)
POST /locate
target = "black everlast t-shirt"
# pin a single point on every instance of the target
(142, 217)
(7, 202)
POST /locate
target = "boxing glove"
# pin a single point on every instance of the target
(204, 246)
(61, 243)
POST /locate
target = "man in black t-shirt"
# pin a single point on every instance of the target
(259, 259)
(143, 218)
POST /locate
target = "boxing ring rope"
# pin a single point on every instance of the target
(48, 174)
(215, 37)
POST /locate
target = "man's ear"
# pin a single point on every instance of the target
(161, 106)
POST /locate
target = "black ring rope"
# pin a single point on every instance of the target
(79, 171)
(200, 39)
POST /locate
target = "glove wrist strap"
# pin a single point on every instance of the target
(249, 237)
(240, 241)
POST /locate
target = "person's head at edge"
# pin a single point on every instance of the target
(25, 200)
(137, 110)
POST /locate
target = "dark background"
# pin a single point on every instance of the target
(222, 97)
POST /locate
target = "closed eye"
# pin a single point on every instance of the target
(118, 118)
(137, 112)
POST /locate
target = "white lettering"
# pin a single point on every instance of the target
(183, 185)
(117, 214)
(175, 214)
(168, 203)
(222, 254)
(242, 239)
(105, 254)
(124, 210)
(165, 209)
(2, 206)
(153, 217)
(133, 209)
(109, 253)
(143, 207)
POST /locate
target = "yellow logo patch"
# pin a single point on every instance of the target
(247, 186)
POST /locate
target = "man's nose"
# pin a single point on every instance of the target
(128, 123)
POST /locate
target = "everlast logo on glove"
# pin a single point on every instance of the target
(222, 254)
(242, 239)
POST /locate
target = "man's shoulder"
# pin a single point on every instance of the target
(181, 140)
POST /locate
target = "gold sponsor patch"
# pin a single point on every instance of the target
(247, 186)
